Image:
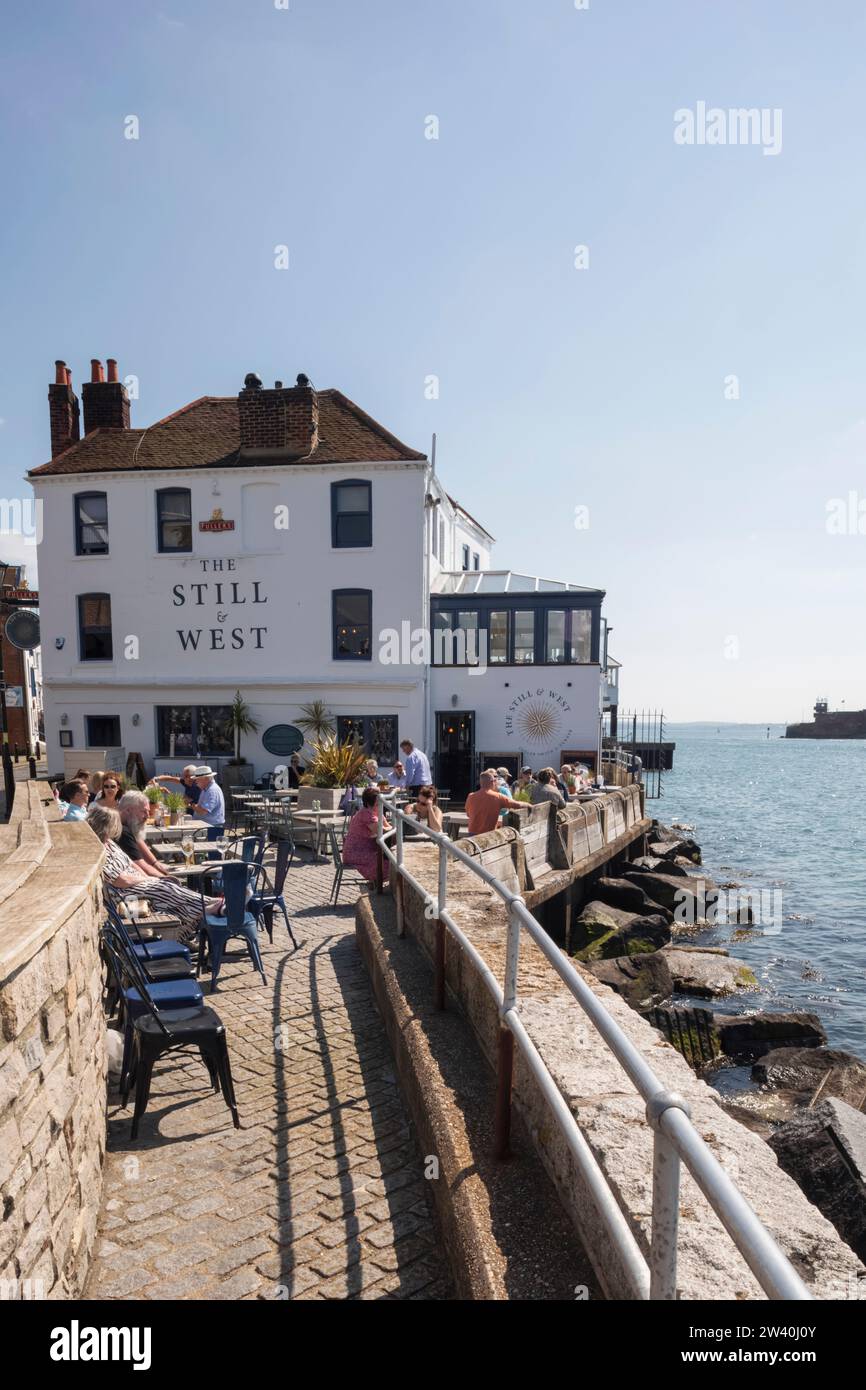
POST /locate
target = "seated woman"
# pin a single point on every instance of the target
(120, 873)
(111, 791)
(74, 796)
(359, 849)
(426, 808)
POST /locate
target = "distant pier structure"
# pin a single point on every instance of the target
(830, 723)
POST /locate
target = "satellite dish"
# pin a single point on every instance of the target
(22, 629)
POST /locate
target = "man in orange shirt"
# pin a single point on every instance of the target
(483, 807)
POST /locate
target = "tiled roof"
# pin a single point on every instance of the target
(205, 434)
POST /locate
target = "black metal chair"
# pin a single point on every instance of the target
(156, 1031)
(270, 895)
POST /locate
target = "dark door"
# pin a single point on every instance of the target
(455, 752)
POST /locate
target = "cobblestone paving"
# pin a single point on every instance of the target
(321, 1192)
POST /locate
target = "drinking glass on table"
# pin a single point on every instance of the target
(187, 845)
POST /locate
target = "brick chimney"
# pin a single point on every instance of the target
(285, 419)
(62, 410)
(106, 404)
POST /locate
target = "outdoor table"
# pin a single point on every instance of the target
(194, 870)
(200, 848)
(285, 791)
(335, 818)
(454, 822)
(175, 832)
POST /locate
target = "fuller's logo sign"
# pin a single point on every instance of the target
(217, 522)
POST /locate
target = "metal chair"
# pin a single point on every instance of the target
(157, 1029)
(339, 870)
(215, 932)
(270, 895)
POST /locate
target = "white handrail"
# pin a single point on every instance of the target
(675, 1138)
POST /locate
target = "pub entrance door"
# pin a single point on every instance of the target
(455, 752)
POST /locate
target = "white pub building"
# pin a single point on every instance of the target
(282, 543)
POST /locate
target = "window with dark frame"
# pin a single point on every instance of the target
(102, 730)
(91, 523)
(376, 734)
(199, 730)
(94, 627)
(351, 514)
(466, 557)
(352, 624)
(476, 560)
(514, 636)
(173, 520)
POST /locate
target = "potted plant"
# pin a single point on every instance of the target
(239, 722)
(175, 801)
(316, 722)
(332, 768)
(154, 795)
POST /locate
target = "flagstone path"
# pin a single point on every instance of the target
(321, 1193)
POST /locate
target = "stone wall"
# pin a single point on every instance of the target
(52, 1050)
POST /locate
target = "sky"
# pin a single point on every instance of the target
(675, 414)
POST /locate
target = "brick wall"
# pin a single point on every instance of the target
(52, 1051)
(285, 418)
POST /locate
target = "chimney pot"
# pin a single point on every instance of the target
(60, 378)
(97, 372)
(111, 363)
(69, 377)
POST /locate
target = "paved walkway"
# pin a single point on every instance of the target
(321, 1193)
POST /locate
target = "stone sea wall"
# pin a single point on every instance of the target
(52, 1050)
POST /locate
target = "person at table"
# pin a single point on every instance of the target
(522, 789)
(133, 807)
(112, 790)
(371, 772)
(359, 847)
(211, 806)
(186, 783)
(296, 771)
(75, 796)
(397, 776)
(485, 806)
(416, 766)
(544, 788)
(426, 808)
(129, 880)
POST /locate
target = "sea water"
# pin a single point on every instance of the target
(787, 816)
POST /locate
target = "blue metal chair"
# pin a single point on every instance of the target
(146, 951)
(215, 932)
(265, 900)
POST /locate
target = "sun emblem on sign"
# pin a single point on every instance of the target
(537, 722)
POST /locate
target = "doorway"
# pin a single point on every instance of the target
(455, 752)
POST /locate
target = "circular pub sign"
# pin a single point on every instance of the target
(282, 740)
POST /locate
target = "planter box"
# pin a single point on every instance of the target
(329, 797)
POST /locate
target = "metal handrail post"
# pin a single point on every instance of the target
(439, 950)
(505, 1047)
(666, 1198)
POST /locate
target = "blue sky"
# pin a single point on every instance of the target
(559, 387)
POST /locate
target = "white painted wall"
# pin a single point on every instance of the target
(565, 698)
(270, 635)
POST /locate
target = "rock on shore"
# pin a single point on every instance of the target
(824, 1150)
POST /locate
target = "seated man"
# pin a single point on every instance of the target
(484, 806)
(397, 775)
(75, 796)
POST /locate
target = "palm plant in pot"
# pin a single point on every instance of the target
(316, 722)
(154, 795)
(240, 722)
(175, 801)
(332, 768)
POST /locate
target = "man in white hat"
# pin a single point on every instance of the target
(211, 804)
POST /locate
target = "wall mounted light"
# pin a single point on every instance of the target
(64, 718)
(136, 719)
(60, 643)
(454, 699)
(506, 685)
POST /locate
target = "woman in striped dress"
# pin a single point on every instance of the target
(124, 876)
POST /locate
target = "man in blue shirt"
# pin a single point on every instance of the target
(397, 776)
(211, 804)
(417, 767)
